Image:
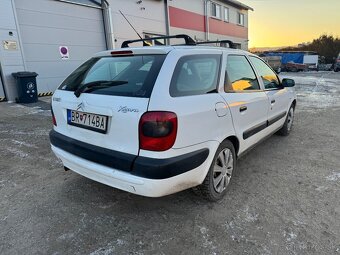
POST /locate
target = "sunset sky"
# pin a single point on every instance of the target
(289, 22)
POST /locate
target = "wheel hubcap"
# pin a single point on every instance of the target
(290, 119)
(223, 169)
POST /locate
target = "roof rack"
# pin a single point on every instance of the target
(230, 43)
(188, 40)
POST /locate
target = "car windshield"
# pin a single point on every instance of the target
(139, 74)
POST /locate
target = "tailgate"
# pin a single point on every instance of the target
(123, 115)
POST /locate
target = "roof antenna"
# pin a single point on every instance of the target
(144, 42)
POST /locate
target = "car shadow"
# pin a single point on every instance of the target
(82, 192)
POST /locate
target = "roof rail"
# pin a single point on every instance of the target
(230, 43)
(188, 40)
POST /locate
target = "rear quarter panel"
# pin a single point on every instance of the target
(197, 119)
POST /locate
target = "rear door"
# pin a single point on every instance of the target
(120, 95)
(248, 103)
(278, 97)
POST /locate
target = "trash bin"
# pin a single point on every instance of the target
(26, 86)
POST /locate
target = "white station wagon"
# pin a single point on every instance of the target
(157, 120)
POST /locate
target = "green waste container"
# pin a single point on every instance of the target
(26, 86)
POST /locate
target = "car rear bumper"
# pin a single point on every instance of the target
(128, 182)
(151, 168)
(147, 177)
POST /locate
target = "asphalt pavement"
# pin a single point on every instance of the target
(284, 198)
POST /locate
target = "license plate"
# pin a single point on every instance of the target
(94, 122)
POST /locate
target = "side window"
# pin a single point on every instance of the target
(268, 76)
(195, 75)
(239, 75)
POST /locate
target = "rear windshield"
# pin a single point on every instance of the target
(131, 76)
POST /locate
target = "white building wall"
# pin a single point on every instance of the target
(10, 60)
(196, 6)
(146, 17)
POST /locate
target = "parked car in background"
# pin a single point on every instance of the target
(295, 67)
(157, 120)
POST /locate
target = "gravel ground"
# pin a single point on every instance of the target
(284, 198)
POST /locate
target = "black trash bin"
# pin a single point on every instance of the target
(26, 86)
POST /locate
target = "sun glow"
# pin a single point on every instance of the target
(276, 23)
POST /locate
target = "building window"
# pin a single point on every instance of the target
(94, 3)
(216, 10)
(226, 14)
(240, 19)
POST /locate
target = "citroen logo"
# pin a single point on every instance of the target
(80, 106)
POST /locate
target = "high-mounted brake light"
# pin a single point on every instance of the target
(157, 131)
(122, 52)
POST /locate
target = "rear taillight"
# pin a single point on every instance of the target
(54, 121)
(157, 131)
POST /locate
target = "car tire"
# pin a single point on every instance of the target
(218, 178)
(288, 125)
(336, 70)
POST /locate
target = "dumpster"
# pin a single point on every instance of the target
(26, 86)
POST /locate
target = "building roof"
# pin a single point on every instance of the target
(238, 4)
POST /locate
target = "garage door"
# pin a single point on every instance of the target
(47, 26)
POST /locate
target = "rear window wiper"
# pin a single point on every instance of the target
(97, 83)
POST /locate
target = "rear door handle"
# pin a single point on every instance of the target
(273, 101)
(243, 108)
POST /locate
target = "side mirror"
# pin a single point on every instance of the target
(288, 83)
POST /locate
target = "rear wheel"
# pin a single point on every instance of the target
(218, 178)
(288, 125)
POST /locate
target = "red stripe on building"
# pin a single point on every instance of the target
(189, 20)
(224, 28)
(184, 19)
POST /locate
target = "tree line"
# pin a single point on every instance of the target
(327, 46)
